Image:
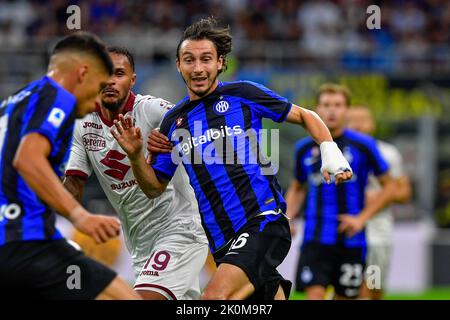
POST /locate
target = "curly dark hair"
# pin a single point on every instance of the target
(208, 29)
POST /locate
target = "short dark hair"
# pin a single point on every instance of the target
(208, 29)
(123, 51)
(88, 43)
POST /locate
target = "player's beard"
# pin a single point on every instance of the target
(203, 93)
(113, 106)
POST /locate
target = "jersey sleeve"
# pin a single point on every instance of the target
(79, 164)
(299, 168)
(52, 114)
(266, 103)
(395, 161)
(377, 162)
(155, 109)
(163, 163)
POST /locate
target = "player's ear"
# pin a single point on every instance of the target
(82, 72)
(220, 63)
(133, 79)
(178, 65)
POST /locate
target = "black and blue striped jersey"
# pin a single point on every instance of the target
(43, 106)
(218, 141)
(324, 202)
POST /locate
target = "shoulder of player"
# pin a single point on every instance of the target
(359, 138)
(173, 113)
(365, 143)
(387, 147)
(303, 145)
(149, 101)
(88, 121)
(388, 150)
(241, 87)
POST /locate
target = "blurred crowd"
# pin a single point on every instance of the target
(307, 30)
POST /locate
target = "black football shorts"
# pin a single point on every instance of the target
(50, 269)
(258, 249)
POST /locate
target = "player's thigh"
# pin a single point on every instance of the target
(349, 272)
(257, 249)
(173, 271)
(118, 289)
(229, 282)
(315, 267)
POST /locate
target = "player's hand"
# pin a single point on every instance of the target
(350, 225)
(334, 162)
(128, 136)
(101, 228)
(158, 142)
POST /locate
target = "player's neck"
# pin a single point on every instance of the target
(336, 133)
(62, 79)
(110, 115)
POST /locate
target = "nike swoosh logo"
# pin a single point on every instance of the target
(232, 253)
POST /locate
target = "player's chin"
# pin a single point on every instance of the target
(200, 92)
(109, 99)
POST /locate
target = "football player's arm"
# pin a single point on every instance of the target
(295, 197)
(79, 166)
(354, 224)
(31, 163)
(311, 122)
(332, 159)
(75, 185)
(130, 139)
(403, 189)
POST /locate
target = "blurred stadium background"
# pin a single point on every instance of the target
(402, 71)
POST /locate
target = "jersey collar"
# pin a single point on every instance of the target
(127, 108)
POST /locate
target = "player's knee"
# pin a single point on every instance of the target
(280, 294)
(150, 295)
(208, 295)
(315, 293)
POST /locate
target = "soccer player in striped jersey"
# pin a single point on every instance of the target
(164, 235)
(333, 250)
(380, 228)
(36, 125)
(215, 131)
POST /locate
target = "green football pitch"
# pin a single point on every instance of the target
(432, 294)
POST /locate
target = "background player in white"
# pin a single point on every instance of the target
(379, 228)
(164, 235)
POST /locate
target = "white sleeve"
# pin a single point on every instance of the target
(79, 164)
(155, 110)
(395, 161)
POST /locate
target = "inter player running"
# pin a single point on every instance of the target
(334, 245)
(241, 204)
(379, 229)
(164, 235)
(36, 126)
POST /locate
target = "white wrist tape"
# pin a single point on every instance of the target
(333, 160)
